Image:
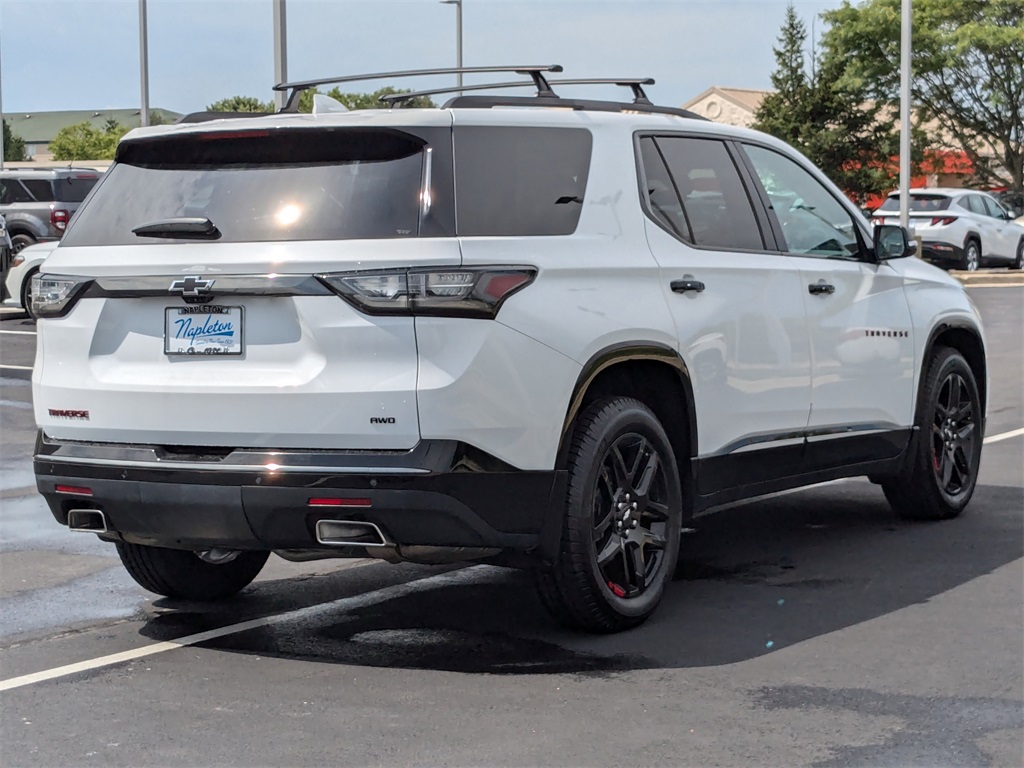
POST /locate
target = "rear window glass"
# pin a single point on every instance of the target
(74, 188)
(520, 181)
(284, 184)
(920, 203)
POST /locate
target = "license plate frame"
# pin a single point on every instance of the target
(204, 330)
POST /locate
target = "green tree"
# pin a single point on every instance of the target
(828, 116)
(84, 142)
(241, 104)
(14, 145)
(968, 72)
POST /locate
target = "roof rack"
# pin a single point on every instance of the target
(636, 83)
(535, 72)
(486, 102)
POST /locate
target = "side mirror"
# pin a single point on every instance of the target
(892, 242)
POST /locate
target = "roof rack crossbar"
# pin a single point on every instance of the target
(635, 83)
(297, 87)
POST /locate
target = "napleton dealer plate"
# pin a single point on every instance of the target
(203, 330)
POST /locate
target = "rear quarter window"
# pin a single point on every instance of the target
(74, 188)
(520, 181)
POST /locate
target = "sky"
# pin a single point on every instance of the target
(84, 54)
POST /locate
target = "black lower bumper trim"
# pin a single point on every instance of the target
(199, 508)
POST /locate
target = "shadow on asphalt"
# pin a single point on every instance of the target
(752, 579)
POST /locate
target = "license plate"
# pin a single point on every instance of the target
(202, 330)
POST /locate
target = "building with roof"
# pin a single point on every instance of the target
(38, 129)
(732, 106)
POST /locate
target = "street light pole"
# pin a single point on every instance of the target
(905, 43)
(143, 63)
(458, 36)
(280, 52)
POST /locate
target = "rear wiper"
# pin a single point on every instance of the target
(180, 227)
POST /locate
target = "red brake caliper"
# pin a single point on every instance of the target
(616, 589)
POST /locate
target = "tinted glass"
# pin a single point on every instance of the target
(520, 181)
(813, 221)
(660, 195)
(991, 208)
(974, 204)
(261, 186)
(917, 203)
(74, 188)
(40, 189)
(715, 202)
(11, 191)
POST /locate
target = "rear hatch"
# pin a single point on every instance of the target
(927, 211)
(199, 289)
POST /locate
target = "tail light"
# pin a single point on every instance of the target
(59, 219)
(941, 221)
(470, 292)
(54, 295)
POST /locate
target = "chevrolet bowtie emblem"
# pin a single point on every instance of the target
(192, 285)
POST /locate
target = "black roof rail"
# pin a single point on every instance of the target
(486, 102)
(534, 71)
(636, 83)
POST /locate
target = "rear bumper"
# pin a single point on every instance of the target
(942, 254)
(441, 493)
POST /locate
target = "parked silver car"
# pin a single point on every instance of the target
(38, 203)
(960, 228)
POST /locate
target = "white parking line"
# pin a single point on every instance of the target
(356, 601)
(17, 367)
(1004, 435)
(18, 333)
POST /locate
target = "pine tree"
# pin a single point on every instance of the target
(785, 112)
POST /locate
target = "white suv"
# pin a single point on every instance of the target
(960, 228)
(537, 332)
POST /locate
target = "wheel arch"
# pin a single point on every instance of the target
(966, 340)
(652, 373)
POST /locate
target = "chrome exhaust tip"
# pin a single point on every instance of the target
(349, 533)
(87, 521)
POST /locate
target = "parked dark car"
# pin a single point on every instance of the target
(38, 203)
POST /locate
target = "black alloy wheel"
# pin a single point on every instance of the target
(954, 430)
(623, 512)
(630, 516)
(941, 469)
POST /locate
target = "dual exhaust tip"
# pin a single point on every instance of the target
(334, 533)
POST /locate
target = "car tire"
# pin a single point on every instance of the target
(942, 470)
(180, 573)
(972, 255)
(1018, 261)
(26, 293)
(21, 240)
(620, 531)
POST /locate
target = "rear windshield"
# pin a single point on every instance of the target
(520, 181)
(268, 185)
(918, 203)
(74, 188)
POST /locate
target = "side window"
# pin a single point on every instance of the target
(813, 221)
(14, 193)
(715, 202)
(40, 189)
(991, 208)
(513, 181)
(974, 205)
(662, 201)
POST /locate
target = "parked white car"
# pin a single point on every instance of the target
(961, 228)
(543, 337)
(24, 266)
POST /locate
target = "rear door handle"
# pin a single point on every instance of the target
(685, 286)
(821, 288)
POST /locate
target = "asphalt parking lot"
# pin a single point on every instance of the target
(811, 628)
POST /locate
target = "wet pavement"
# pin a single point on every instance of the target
(811, 628)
